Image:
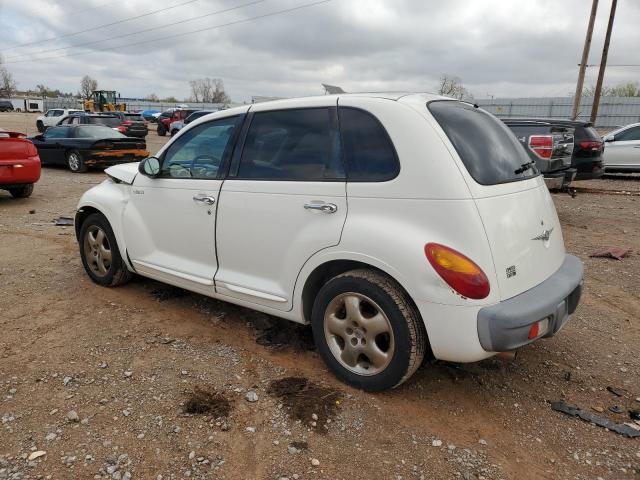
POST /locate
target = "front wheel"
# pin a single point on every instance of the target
(99, 252)
(22, 192)
(75, 161)
(40, 126)
(162, 131)
(367, 330)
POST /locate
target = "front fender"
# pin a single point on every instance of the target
(109, 198)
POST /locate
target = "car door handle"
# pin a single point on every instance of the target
(323, 207)
(204, 199)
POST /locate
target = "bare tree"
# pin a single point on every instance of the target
(43, 90)
(152, 97)
(630, 89)
(208, 90)
(451, 86)
(87, 86)
(7, 83)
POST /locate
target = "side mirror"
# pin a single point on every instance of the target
(149, 167)
(609, 138)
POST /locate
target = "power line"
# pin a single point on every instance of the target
(245, 20)
(117, 22)
(146, 30)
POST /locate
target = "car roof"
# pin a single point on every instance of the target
(547, 121)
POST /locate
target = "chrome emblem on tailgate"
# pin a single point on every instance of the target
(544, 236)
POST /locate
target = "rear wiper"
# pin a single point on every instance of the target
(524, 167)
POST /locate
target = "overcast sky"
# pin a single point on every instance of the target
(500, 48)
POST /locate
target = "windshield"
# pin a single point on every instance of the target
(97, 132)
(489, 150)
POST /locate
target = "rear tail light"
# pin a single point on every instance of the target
(127, 122)
(591, 145)
(121, 129)
(459, 271)
(541, 145)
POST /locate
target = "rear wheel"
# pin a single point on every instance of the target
(40, 126)
(99, 252)
(367, 330)
(22, 192)
(162, 131)
(75, 162)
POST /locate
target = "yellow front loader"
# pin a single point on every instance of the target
(104, 101)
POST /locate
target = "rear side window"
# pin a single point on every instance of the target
(489, 150)
(368, 153)
(291, 145)
(629, 134)
(57, 132)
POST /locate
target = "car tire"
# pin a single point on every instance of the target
(22, 192)
(162, 131)
(385, 355)
(100, 254)
(173, 132)
(75, 162)
(40, 126)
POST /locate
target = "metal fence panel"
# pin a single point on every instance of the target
(613, 112)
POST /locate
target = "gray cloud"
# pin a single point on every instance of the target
(496, 47)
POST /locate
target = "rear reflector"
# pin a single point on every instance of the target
(541, 145)
(458, 271)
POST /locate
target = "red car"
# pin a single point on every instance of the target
(19, 164)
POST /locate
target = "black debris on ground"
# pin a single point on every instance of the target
(165, 293)
(207, 402)
(306, 401)
(603, 422)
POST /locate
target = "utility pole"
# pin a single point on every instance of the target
(585, 58)
(603, 63)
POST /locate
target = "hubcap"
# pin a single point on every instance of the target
(97, 251)
(359, 334)
(74, 161)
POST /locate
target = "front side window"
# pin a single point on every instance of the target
(58, 113)
(368, 152)
(490, 151)
(291, 145)
(198, 153)
(57, 132)
(629, 134)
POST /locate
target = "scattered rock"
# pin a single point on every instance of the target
(315, 462)
(72, 416)
(37, 454)
(251, 396)
(128, 373)
(482, 441)
(436, 443)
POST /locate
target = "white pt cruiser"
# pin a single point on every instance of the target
(398, 226)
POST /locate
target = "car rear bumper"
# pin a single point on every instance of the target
(507, 325)
(20, 172)
(589, 168)
(113, 157)
(559, 179)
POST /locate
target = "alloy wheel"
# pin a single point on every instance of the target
(97, 251)
(359, 334)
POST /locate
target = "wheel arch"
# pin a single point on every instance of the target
(316, 273)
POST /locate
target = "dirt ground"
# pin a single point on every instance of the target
(146, 381)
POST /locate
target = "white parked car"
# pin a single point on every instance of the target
(52, 117)
(395, 225)
(622, 149)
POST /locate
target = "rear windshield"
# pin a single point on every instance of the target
(489, 150)
(97, 132)
(108, 121)
(587, 133)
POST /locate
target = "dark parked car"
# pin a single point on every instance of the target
(550, 145)
(81, 146)
(6, 106)
(588, 147)
(133, 124)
